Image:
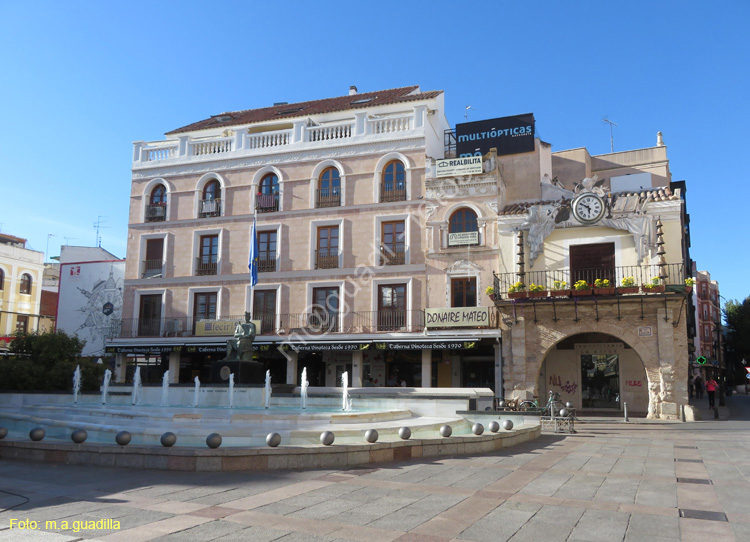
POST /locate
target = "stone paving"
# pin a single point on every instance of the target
(633, 482)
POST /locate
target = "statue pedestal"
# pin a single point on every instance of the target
(245, 372)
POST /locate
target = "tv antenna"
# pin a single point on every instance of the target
(466, 112)
(611, 134)
(98, 226)
(68, 239)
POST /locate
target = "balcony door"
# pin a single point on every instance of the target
(391, 307)
(325, 310)
(209, 255)
(266, 251)
(464, 292)
(392, 242)
(591, 262)
(264, 309)
(152, 266)
(149, 316)
(327, 254)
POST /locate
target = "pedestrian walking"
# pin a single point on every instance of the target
(711, 387)
(698, 387)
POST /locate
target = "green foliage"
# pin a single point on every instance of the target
(737, 317)
(47, 349)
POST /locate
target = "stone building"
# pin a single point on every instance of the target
(590, 283)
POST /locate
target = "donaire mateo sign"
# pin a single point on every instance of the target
(458, 317)
(452, 167)
(509, 135)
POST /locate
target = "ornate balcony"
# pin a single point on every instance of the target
(326, 258)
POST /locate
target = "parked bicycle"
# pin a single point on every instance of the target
(551, 409)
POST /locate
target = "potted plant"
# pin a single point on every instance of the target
(490, 291)
(517, 290)
(654, 286)
(537, 290)
(689, 283)
(560, 288)
(628, 286)
(581, 287)
(603, 287)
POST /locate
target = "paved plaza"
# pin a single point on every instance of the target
(636, 482)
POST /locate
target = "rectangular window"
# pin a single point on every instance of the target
(591, 262)
(464, 292)
(327, 253)
(22, 324)
(149, 316)
(264, 309)
(325, 309)
(391, 307)
(152, 265)
(204, 306)
(209, 255)
(392, 243)
(266, 251)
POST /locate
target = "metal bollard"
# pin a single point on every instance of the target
(625, 408)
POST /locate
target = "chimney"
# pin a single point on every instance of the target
(352, 90)
(659, 139)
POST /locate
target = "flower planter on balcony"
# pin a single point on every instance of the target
(543, 293)
(580, 293)
(688, 290)
(654, 289)
(628, 290)
(559, 293)
(604, 291)
(517, 295)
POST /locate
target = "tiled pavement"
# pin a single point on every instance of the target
(608, 482)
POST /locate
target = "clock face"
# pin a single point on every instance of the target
(588, 208)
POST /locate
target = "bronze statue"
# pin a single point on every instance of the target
(241, 347)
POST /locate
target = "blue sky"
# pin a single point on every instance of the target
(82, 80)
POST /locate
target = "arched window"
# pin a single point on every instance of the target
(393, 185)
(25, 284)
(463, 220)
(156, 210)
(210, 205)
(329, 188)
(2, 279)
(268, 194)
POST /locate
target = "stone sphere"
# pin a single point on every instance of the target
(371, 435)
(79, 435)
(36, 434)
(123, 438)
(507, 425)
(446, 430)
(477, 429)
(213, 440)
(326, 438)
(564, 412)
(404, 433)
(273, 439)
(501, 404)
(168, 439)
(569, 405)
(3, 432)
(493, 426)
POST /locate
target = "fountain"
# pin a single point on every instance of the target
(165, 388)
(105, 385)
(137, 387)
(76, 384)
(197, 389)
(346, 403)
(231, 390)
(268, 389)
(303, 388)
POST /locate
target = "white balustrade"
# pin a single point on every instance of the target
(330, 132)
(154, 154)
(213, 146)
(389, 125)
(269, 139)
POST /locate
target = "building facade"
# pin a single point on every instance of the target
(21, 271)
(708, 340)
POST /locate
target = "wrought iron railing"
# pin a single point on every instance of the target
(393, 254)
(209, 207)
(152, 268)
(553, 279)
(206, 265)
(392, 192)
(156, 213)
(267, 263)
(327, 258)
(267, 203)
(328, 197)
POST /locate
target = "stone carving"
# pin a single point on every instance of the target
(463, 266)
(241, 347)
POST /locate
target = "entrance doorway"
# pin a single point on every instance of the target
(600, 381)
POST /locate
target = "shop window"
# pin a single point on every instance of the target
(328, 193)
(156, 210)
(464, 292)
(25, 286)
(393, 184)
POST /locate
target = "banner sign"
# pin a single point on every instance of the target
(457, 317)
(463, 238)
(221, 348)
(220, 328)
(324, 347)
(509, 135)
(452, 167)
(146, 349)
(427, 345)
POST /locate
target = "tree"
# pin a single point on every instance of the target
(47, 349)
(737, 318)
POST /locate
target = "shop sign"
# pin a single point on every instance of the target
(509, 135)
(452, 167)
(324, 347)
(220, 328)
(427, 345)
(219, 348)
(645, 331)
(457, 317)
(146, 349)
(463, 238)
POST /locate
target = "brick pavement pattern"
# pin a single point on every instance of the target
(634, 482)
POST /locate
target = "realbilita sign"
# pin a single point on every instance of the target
(509, 135)
(452, 167)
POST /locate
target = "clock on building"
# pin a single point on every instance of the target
(588, 208)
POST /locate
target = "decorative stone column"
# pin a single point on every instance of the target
(357, 369)
(174, 367)
(291, 367)
(427, 368)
